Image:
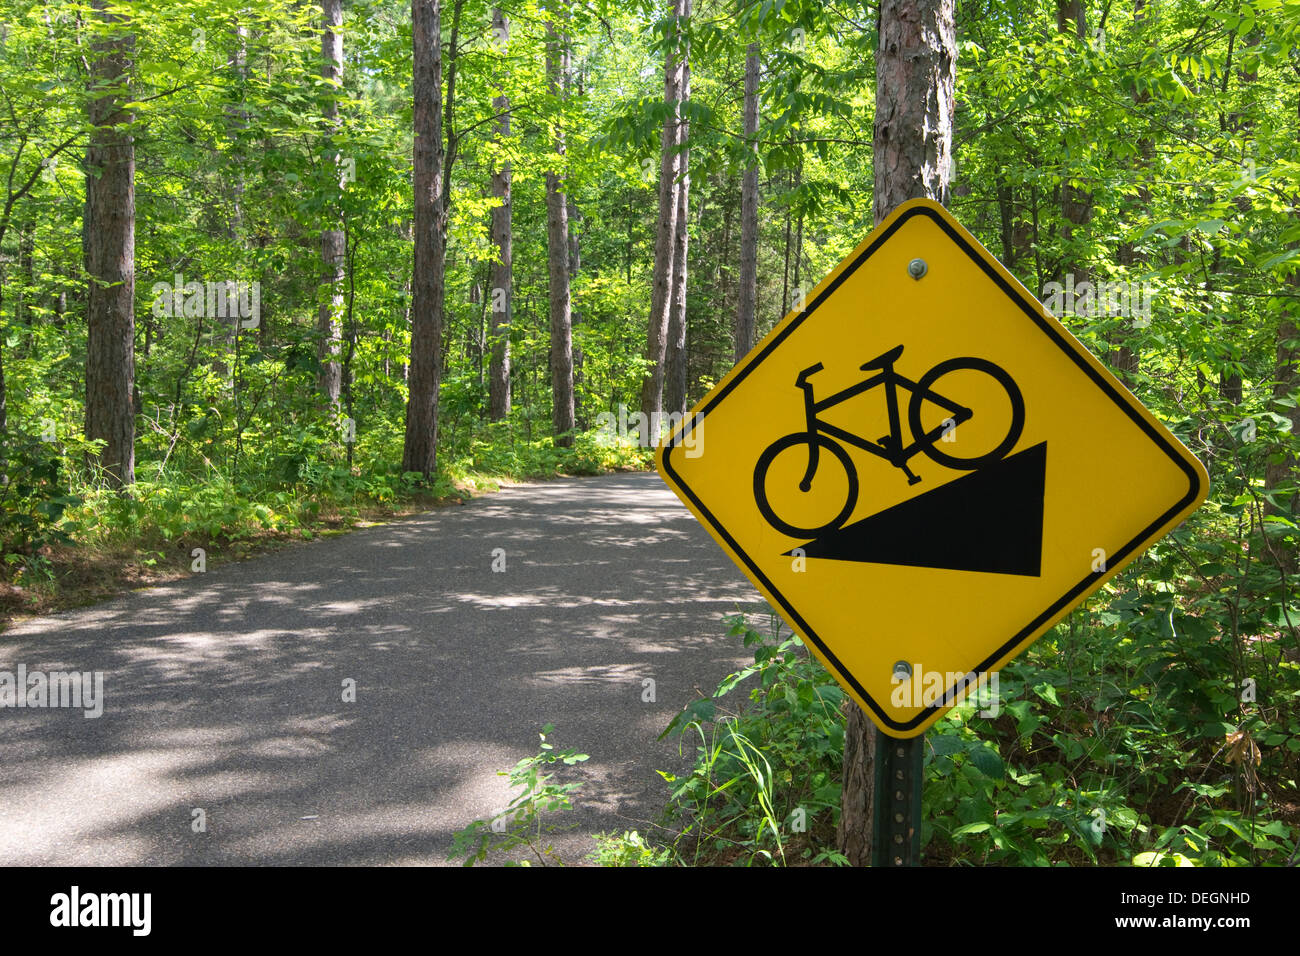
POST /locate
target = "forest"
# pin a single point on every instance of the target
(271, 268)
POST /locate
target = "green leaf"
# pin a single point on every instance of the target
(987, 762)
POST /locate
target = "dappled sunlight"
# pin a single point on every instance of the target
(225, 691)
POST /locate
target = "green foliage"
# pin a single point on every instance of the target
(524, 823)
(1102, 745)
(628, 849)
(765, 787)
(1162, 151)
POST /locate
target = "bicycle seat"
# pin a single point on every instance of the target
(881, 361)
(802, 380)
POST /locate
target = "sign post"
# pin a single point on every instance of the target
(896, 831)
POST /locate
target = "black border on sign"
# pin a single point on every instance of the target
(1091, 581)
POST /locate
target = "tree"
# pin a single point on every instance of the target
(916, 78)
(744, 337)
(557, 245)
(670, 167)
(675, 372)
(501, 280)
(110, 251)
(420, 448)
(329, 329)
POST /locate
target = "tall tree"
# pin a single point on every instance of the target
(916, 79)
(329, 331)
(501, 279)
(420, 448)
(1283, 469)
(557, 245)
(1076, 202)
(110, 250)
(1125, 359)
(744, 334)
(652, 386)
(675, 369)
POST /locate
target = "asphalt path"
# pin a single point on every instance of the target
(224, 692)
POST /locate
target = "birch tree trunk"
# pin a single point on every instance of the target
(329, 331)
(652, 386)
(676, 365)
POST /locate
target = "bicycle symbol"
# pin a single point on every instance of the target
(821, 434)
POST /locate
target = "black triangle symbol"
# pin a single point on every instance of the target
(990, 520)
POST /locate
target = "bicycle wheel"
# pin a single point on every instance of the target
(760, 483)
(931, 449)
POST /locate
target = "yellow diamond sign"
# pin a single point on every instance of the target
(923, 470)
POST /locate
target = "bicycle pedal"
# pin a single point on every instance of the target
(914, 479)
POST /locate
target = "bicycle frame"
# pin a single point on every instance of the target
(890, 447)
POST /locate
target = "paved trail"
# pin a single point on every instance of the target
(224, 691)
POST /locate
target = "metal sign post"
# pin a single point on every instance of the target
(896, 829)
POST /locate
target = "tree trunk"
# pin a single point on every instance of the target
(1076, 202)
(916, 67)
(652, 386)
(329, 331)
(1124, 359)
(4, 413)
(225, 334)
(110, 258)
(1230, 383)
(501, 280)
(744, 337)
(675, 366)
(420, 449)
(1283, 469)
(575, 264)
(557, 250)
(26, 271)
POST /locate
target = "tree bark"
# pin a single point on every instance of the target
(915, 86)
(1076, 202)
(420, 449)
(557, 250)
(676, 364)
(744, 336)
(1124, 358)
(110, 257)
(1230, 383)
(26, 270)
(916, 78)
(652, 386)
(1283, 469)
(4, 413)
(501, 279)
(575, 264)
(329, 330)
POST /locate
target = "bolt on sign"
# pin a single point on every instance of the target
(924, 471)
